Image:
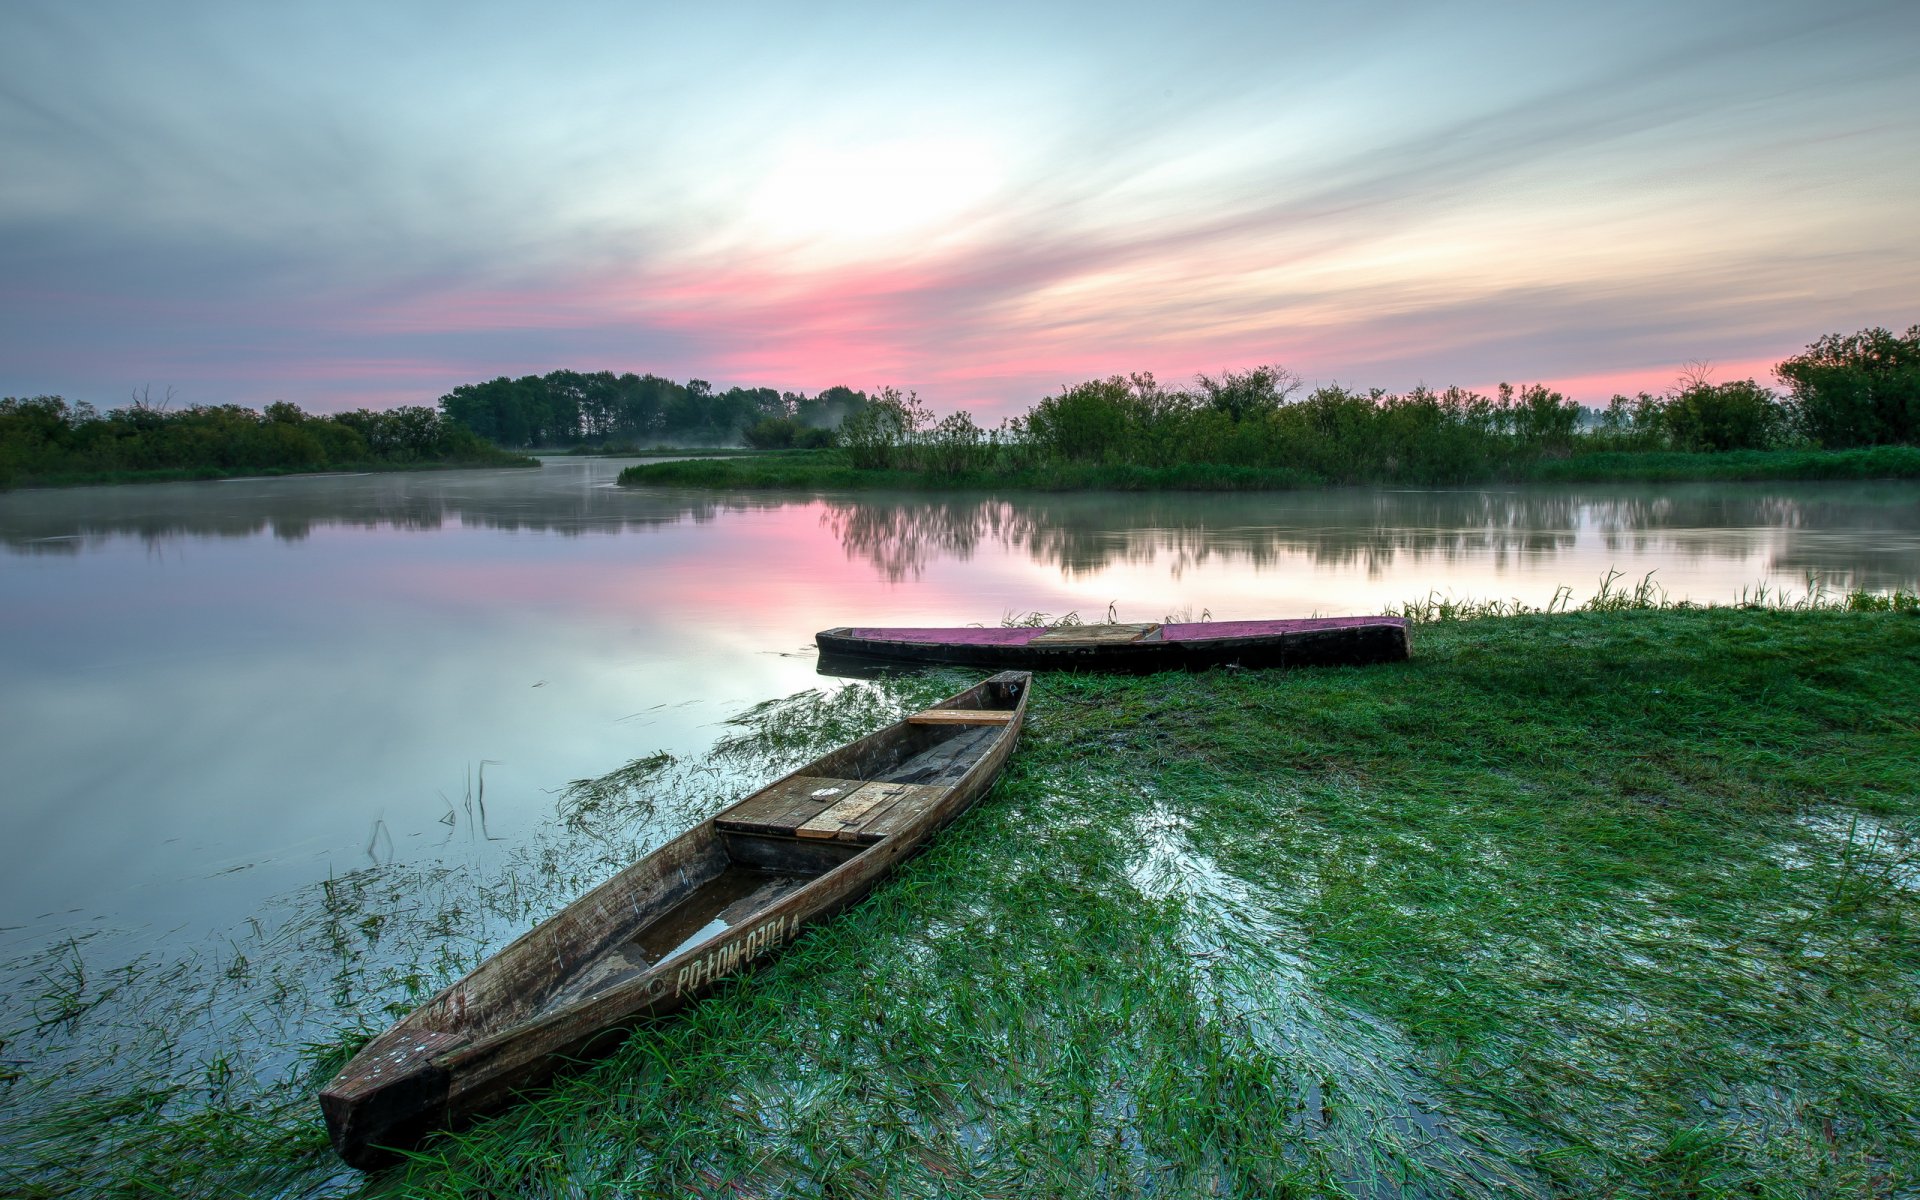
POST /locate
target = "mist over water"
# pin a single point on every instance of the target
(212, 693)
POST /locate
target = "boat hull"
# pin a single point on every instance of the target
(434, 1071)
(1342, 641)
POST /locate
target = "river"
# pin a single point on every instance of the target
(212, 694)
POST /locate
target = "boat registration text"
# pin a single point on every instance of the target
(721, 960)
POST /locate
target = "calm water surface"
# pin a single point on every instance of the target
(213, 693)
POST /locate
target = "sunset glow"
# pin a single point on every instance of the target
(979, 207)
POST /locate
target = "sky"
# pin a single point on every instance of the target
(364, 204)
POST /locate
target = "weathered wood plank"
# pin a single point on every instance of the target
(946, 760)
(961, 716)
(912, 801)
(1095, 635)
(851, 812)
(787, 853)
(787, 804)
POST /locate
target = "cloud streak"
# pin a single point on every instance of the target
(373, 206)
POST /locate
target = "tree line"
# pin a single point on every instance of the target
(1844, 391)
(566, 408)
(46, 437)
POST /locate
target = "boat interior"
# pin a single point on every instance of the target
(747, 859)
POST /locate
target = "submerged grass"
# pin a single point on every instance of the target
(1619, 901)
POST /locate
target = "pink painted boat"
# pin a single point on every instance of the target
(1194, 646)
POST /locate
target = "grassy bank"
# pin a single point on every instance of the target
(826, 470)
(634, 451)
(1611, 902)
(1663, 466)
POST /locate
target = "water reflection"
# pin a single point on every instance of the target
(1849, 534)
(566, 499)
(212, 692)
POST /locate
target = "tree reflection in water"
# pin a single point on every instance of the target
(1851, 534)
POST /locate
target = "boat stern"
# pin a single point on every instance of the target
(385, 1099)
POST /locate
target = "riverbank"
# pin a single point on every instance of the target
(1611, 902)
(829, 470)
(628, 451)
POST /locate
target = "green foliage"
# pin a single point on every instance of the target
(1249, 429)
(44, 437)
(770, 433)
(1096, 421)
(564, 407)
(955, 446)
(786, 433)
(1658, 466)
(1249, 394)
(1860, 389)
(1740, 415)
(1250, 420)
(883, 433)
(1010, 468)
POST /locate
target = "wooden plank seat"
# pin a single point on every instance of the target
(859, 817)
(962, 716)
(789, 804)
(860, 810)
(847, 810)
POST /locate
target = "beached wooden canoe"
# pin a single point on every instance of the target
(696, 912)
(1317, 642)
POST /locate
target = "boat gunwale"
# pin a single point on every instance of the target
(1361, 642)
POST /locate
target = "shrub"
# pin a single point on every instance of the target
(1252, 393)
(770, 433)
(882, 434)
(1631, 423)
(955, 446)
(1740, 415)
(1086, 423)
(1860, 389)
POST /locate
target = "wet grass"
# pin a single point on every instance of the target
(1619, 901)
(829, 470)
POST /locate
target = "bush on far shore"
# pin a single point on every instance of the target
(46, 436)
(1860, 389)
(786, 433)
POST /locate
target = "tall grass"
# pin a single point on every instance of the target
(1647, 595)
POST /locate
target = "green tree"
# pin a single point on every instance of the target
(1738, 415)
(1860, 389)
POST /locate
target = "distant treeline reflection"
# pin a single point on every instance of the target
(1859, 535)
(1373, 530)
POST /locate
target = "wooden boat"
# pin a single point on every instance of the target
(696, 912)
(1320, 641)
